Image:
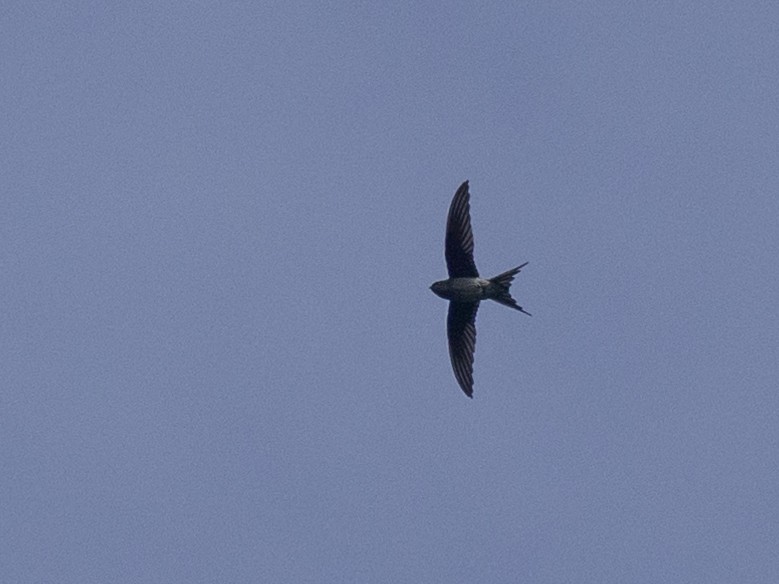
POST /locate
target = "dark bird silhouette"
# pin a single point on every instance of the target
(465, 289)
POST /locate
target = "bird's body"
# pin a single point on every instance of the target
(465, 289)
(461, 289)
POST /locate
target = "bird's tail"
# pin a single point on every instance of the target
(502, 283)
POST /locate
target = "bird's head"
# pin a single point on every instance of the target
(439, 288)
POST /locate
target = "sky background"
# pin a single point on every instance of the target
(221, 361)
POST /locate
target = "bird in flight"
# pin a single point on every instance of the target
(464, 289)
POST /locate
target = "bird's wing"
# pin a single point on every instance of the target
(459, 237)
(461, 331)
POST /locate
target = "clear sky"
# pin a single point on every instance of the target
(221, 361)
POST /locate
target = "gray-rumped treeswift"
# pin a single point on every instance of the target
(464, 289)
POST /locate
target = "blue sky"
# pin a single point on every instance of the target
(221, 358)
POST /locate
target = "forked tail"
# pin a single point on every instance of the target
(502, 284)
